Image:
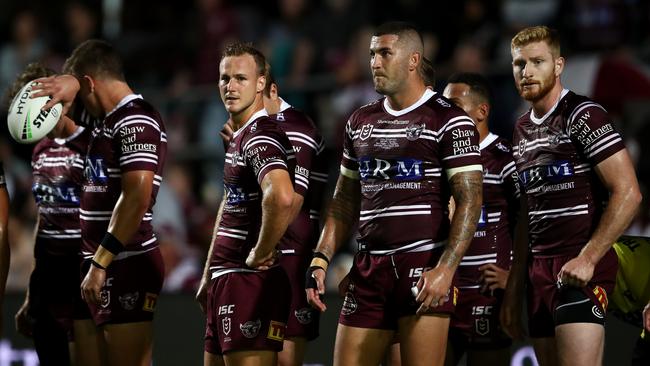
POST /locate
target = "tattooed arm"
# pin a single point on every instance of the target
(467, 190)
(341, 217)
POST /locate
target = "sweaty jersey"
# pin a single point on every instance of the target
(403, 160)
(131, 137)
(310, 174)
(555, 157)
(57, 168)
(493, 237)
(256, 149)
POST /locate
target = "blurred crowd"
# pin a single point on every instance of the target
(318, 50)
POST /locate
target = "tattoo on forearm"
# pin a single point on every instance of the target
(467, 190)
(345, 203)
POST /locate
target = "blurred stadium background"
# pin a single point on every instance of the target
(319, 53)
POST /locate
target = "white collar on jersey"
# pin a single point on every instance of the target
(256, 115)
(284, 105)
(123, 102)
(538, 121)
(76, 133)
(490, 138)
(428, 93)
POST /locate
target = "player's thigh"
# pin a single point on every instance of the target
(293, 351)
(423, 339)
(129, 344)
(492, 357)
(90, 347)
(393, 357)
(250, 358)
(360, 346)
(545, 351)
(580, 343)
(210, 359)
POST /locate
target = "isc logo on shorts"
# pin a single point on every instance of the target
(276, 331)
(149, 302)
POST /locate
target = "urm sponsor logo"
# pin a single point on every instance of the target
(404, 169)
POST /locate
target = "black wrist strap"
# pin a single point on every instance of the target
(94, 263)
(111, 244)
(321, 256)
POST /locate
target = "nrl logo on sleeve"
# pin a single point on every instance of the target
(413, 132)
(251, 329)
(366, 131)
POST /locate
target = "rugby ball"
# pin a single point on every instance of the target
(26, 121)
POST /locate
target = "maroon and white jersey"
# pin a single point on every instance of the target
(256, 149)
(131, 137)
(310, 174)
(403, 160)
(57, 168)
(555, 157)
(493, 237)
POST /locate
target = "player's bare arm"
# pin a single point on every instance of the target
(618, 176)
(511, 309)
(467, 190)
(342, 215)
(129, 210)
(202, 292)
(277, 203)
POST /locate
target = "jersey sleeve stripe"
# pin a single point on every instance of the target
(352, 174)
(617, 140)
(468, 168)
(141, 160)
(263, 139)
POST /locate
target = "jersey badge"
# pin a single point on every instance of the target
(251, 329)
(225, 325)
(304, 315)
(482, 326)
(366, 131)
(149, 302)
(413, 132)
(128, 300)
(276, 331)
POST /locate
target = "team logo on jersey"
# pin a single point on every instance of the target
(128, 300)
(279, 116)
(482, 326)
(366, 131)
(413, 132)
(554, 140)
(503, 147)
(104, 298)
(276, 331)
(225, 325)
(522, 146)
(149, 302)
(304, 315)
(251, 329)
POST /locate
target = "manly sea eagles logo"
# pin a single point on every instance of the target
(250, 329)
(128, 300)
(414, 131)
(105, 298)
(303, 315)
(366, 131)
(482, 326)
(225, 325)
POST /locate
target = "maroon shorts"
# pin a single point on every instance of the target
(477, 320)
(303, 319)
(543, 293)
(379, 289)
(247, 311)
(131, 289)
(54, 291)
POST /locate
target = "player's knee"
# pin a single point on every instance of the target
(576, 307)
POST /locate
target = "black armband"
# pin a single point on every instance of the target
(111, 244)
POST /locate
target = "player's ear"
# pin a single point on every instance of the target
(414, 61)
(89, 81)
(261, 83)
(559, 66)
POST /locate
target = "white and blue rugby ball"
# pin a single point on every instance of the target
(26, 121)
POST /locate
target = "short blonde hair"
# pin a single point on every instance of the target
(540, 33)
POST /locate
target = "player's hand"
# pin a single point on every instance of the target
(202, 294)
(92, 285)
(262, 261)
(510, 314)
(62, 88)
(493, 277)
(577, 272)
(433, 288)
(226, 133)
(315, 287)
(646, 317)
(24, 322)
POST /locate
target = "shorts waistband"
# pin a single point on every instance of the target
(121, 255)
(220, 271)
(418, 246)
